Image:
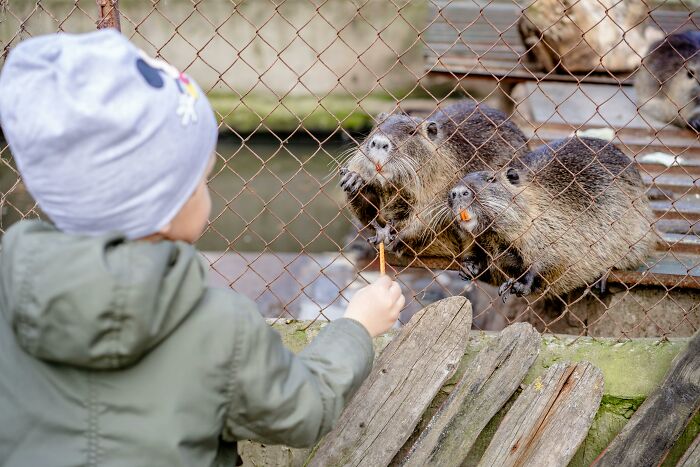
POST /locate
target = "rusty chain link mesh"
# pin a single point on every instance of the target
(298, 84)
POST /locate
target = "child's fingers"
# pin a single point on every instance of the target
(394, 291)
(383, 281)
(398, 306)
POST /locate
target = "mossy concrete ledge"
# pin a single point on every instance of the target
(632, 369)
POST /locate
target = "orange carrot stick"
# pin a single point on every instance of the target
(382, 263)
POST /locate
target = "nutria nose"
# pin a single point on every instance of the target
(461, 192)
(380, 142)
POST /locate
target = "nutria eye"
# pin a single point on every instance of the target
(491, 179)
(691, 75)
(432, 129)
(512, 175)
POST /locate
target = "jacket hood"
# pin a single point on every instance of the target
(94, 302)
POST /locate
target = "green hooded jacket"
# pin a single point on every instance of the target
(116, 353)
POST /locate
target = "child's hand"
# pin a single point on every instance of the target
(376, 306)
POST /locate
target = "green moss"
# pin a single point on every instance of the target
(622, 407)
(631, 369)
(267, 113)
(683, 442)
(297, 334)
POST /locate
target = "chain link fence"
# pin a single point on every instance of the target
(298, 86)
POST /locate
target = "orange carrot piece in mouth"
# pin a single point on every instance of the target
(464, 215)
(378, 166)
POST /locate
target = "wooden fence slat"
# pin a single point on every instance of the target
(661, 418)
(691, 458)
(489, 381)
(405, 379)
(549, 420)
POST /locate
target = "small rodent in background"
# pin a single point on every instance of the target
(668, 82)
(558, 219)
(402, 172)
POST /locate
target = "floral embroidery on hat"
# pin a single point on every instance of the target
(151, 69)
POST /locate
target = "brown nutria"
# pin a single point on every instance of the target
(586, 35)
(668, 82)
(558, 219)
(402, 172)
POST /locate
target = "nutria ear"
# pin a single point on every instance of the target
(512, 175)
(431, 129)
(382, 116)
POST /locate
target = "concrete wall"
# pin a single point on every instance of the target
(267, 65)
(295, 47)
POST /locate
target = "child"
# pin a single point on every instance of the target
(113, 351)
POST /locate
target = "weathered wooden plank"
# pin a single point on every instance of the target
(405, 379)
(563, 401)
(681, 184)
(686, 243)
(489, 381)
(691, 458)
(669, 270)
(658, 422)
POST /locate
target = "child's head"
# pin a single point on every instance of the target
(107, 138)
(189, 223)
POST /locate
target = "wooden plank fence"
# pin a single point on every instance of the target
(405, 379)
(659, 421)
(545, 425)
(691, 458)
(550, 419)
(488, 383)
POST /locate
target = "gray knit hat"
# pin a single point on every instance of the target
(105, 137)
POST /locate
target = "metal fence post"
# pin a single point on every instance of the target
(109, 14)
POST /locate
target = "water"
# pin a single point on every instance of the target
(267, 196)
(280, 197)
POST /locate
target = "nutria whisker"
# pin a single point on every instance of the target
(424, 158)
(572, 210)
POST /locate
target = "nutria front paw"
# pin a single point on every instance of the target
(470, 268)
(521, 289)
(511, 286)
(350, 181)
(385, 235)
(504, 290)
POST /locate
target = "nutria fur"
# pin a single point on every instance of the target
(557, 220)
(586, 35)
(668, 82)
(402, 172)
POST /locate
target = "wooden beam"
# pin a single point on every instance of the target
(691, 458)
(671, 271)
(659, 421)
(490, 380)
(406, 378)
(563, 401)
